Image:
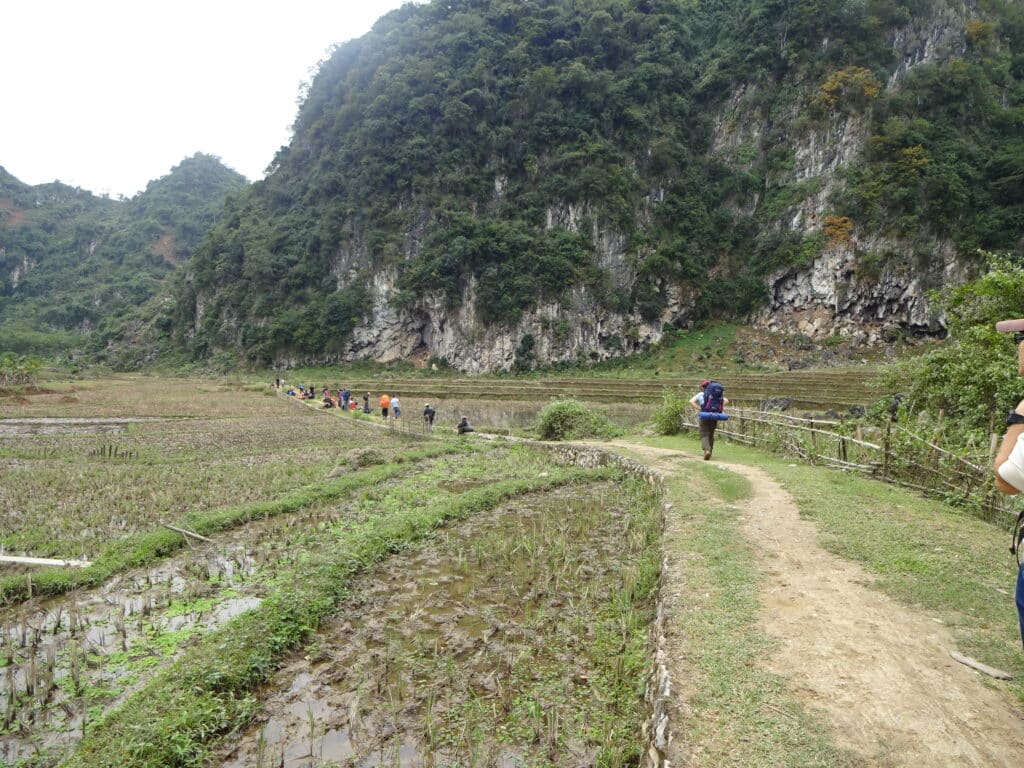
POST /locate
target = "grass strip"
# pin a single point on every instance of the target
(145, 547)
(737, 713)
(925, 554)
(208, 691)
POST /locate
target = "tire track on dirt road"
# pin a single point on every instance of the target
(878, 670)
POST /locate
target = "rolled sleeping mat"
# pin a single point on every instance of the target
(709, 416)
(1006, 326)
(1012, 470)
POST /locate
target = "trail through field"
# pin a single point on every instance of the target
(879, 671)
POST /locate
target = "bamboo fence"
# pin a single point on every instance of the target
(892, 453)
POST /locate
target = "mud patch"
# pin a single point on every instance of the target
(62, 658)
(515, 638)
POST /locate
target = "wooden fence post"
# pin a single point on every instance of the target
(885, 449)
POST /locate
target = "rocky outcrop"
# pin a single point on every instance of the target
(837, 295)
(576, 328)
(573, 329)
(834, 295)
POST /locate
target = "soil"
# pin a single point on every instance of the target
(880, 672)
(445, 634)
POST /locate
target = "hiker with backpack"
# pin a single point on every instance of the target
(710, 405)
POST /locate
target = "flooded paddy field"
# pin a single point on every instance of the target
(518, 415)
(529, 586)
(71, 494)
(503, 417)
(516, 638)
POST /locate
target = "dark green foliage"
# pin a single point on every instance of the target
(515, 264)
(92, 261)
(947, 154)
(482, 142)
(972, 378)
(495, 145)
(572, 420)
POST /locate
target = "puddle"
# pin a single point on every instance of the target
(477, 649)
(62, 656)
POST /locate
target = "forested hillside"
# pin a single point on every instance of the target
(508, 181)
(73, 266)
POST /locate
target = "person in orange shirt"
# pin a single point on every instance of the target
(385, 403)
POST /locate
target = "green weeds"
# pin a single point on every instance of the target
(208, 691)
(143, 548)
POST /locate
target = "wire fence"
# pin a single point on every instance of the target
(892, 453)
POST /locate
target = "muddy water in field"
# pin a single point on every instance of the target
(488, 646)
(62, 657)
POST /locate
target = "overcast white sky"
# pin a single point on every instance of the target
(108, 95)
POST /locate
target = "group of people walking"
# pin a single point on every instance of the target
(390, 405)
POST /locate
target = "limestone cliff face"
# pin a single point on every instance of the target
(577, 328)
(837, 293)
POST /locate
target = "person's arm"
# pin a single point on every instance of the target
(695, 402)
(1005, 449)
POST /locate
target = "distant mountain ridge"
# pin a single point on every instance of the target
(73, 265)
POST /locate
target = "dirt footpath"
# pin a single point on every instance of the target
(880, 672)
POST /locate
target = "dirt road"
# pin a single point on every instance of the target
(879, 671)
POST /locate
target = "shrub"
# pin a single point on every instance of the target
(668, 419)
(572, 420)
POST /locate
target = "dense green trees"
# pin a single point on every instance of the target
(74, 266)
(494, 143)
(947, 154)
(449, 143)
(974, 376)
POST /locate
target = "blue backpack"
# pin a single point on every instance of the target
(714, 402)
(714, 398)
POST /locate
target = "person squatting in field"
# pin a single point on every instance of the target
(707, 426)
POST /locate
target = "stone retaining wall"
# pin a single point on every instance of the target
(656, 730)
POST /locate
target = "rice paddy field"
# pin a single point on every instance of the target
(345, 593)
